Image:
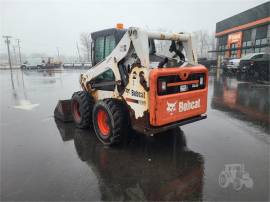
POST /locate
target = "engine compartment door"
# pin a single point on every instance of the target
(177, 94)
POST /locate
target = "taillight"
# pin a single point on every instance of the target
(201, 81)
(162, 86)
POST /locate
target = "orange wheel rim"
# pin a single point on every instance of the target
(76, 111)
(102, 120)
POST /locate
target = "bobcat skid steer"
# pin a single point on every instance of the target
(141, 80)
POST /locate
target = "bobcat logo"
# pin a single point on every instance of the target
(171, 107)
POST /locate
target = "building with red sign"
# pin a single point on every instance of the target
(246, 32)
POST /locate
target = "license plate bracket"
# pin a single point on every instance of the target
(183, 88)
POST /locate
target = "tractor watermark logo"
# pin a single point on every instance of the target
(171, 107)
(236, 175)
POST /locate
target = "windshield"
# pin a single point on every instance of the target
(166, 53)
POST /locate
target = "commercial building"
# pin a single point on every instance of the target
(246, 32)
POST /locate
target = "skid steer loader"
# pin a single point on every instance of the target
(141, 80)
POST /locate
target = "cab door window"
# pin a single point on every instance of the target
(99, 49)
(109, 45)
(106, 76)
(103, 47)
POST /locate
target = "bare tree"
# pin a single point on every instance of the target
(202, 40)
(205, 42)
(212, 44)
(86, 44)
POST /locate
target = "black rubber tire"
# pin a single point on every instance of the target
(85, 106)
(115, 111)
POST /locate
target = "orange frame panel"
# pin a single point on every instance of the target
(158, 104)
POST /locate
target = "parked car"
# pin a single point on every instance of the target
(209, 63)
(41, 63)
(224, 62)
(254, 67)
(232, 66)
(33, 63)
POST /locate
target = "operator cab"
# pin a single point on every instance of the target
(162, 53)
(103, 42)
(165, 53)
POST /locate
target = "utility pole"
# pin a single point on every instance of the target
(9, 60)
(15, 56)
(18, 41)
(78, 51)
(8, 42)
(58, 54)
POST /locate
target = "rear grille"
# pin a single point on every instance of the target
(176, 81)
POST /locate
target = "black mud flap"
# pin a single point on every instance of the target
(62, 111)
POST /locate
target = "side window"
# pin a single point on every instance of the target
(109, 45)
(99, 49)
(103, 47)
(266, 56)
(106, 76)
(105, 81)
(257, 56)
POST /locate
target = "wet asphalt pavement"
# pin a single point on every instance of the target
(222, 158)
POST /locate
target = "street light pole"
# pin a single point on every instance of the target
(18, 41)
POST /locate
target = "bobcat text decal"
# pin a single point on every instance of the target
(183, 106)
(135, 93)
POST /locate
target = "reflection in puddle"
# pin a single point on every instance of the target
(249, 101)
(25, 105)
(141, 168)
(45, 76)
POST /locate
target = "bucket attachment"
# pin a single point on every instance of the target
(62, 111)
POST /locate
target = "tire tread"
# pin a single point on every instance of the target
(116, 109)
(86, 101)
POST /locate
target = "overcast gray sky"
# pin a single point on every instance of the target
(43, 25)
